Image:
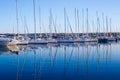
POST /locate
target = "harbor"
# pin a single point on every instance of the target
(59, 40)
(43, 38)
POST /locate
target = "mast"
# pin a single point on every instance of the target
(50, 23)
(83, 21)
(25, 28)
(87, 21)
(103, 21)
(93, 25)
(34, 19)
(75, 20)
(65, 20)
(107, 25)
(98, 24)
(78, 20)
(110, 26)
(17, 16)
(40, 19)
(54, 23)
(14, 32)
(68, 23)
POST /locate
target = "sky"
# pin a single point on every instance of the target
(110, 8)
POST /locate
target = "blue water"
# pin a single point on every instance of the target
(61, 62)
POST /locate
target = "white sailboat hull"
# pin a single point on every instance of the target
(22, 42)
(4, 42)
(79, 40)
(52, 41)
(38, 41)
(66, 41)
(86, 40)
(111, 39)
(13, 42)
(91, 40)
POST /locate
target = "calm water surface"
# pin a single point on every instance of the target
(61, 62)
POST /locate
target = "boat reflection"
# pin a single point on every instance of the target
(77, 57)
(9, 49)
(67, 60)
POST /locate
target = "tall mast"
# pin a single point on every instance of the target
(93, 25)
(40, 19)
(103, 21)
(34, 19)
(107, 25)
(50, 22)
(87, 21)
(25, 27)
(17, 16)
(97, 21)
(75, 21)
(98, 24)
(110, 25)
(78, 21)
(53, 22)
(13, 30)
(27, 30)
(65, 20)
(83, 20)
(69, 25)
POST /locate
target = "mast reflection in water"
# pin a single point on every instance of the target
(60, 62)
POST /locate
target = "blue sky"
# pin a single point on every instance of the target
(25, 9)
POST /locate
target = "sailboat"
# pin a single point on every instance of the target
(103, 39)
(20, 39)
(67, 38)
(23, 39)
(110, 37)
(4, 41)
(51, 20)
(35, 40)
(79, 39)
(89, 38)
(9, 49)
